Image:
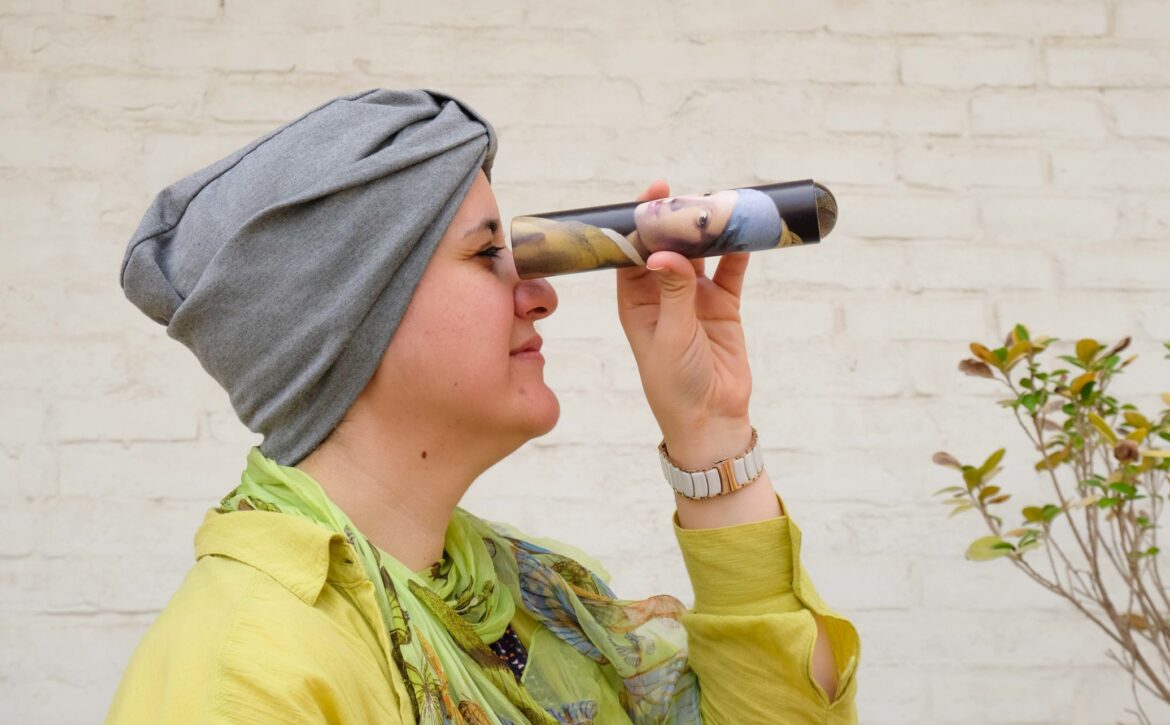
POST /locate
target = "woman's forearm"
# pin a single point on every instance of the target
(757, 502)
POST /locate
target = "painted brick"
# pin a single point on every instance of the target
(1040, 115)
(952, 17)
(897, 111)
(125, 418)
(1143, 19)
(832, 163)
(958, 167)
(1108, 66)
(919, 317)
(968, 67)
(1129, 270)
(908, 216)
(1140, 114)
(1118, 167)
(1054, 221)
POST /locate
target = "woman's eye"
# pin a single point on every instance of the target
(704, 217)
(491, 252)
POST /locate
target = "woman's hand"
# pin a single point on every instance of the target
(685, 332)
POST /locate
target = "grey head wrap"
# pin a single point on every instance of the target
(287, 266)
(754, 223)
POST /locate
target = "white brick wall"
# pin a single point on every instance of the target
(995, 161)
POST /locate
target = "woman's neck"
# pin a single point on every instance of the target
(399, 488)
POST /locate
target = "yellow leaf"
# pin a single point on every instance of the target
(1136, 621)
(1081, 381)
(1103, 427)
(1150, 453)
(1137, 420)
(1052, 459)
(984, 354)
(1086, 501)
(1086, 349)
(1166, 398)
(1016, 351)
(1138, 435)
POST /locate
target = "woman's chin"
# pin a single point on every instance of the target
(545, 411)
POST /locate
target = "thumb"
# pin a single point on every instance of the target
(676, 283)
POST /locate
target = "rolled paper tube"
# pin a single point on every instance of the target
(747, 219)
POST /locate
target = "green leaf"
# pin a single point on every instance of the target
(1030, 401)
(1071, 361)
(988, 548)
(1081, 381)
(1087, 391)
(1021, 333)
(949, 489)
(960, 509)
(1123, 488)
(991, 462)
(1027, 545)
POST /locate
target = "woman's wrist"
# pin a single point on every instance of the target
(700, 447)
(755, 502)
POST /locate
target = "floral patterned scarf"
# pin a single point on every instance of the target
(595, 659)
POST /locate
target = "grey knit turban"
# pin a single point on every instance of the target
(287, 266)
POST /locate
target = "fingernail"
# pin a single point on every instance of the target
(653, 269)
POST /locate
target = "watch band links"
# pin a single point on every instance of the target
(726, 476)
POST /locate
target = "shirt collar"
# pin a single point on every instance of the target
(299, 554)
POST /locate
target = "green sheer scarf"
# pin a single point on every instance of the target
(595, 658)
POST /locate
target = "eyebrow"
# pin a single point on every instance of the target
(490, 224)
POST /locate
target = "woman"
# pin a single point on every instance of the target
(346, 280)
(732, 220)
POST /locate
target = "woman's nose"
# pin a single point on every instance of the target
(535, 299)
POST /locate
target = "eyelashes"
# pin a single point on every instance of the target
(491, 252)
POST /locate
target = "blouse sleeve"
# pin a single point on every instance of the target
(751, 631)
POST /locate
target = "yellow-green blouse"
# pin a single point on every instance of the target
(277, 623)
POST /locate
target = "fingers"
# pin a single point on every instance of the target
(656, 190)
(676, 283)
(731, 271)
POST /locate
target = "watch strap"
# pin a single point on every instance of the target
(725, 477)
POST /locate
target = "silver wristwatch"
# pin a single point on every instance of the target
(727, 476)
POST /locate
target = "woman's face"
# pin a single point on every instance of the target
(451, 359)
(684, 223)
